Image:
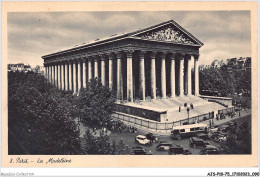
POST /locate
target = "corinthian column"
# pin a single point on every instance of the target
(66, 77)
(90, 70)
(172, 76)
(62, 76)
(110, 70)
(163, 76)
(181, 57)
(79, 76)
(103, 71)
(119, 77)
(189, 76)
(53, 75)
(96, 67)
(196, 72)
(48, 73)
(58, 76)
(142, 77)
(129, 76)
(74, 77)
(84, 73)
(70, 86)
(153, 76)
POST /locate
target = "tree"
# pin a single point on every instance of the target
(39, 117)
(95, 104)
(224, 81)
(103, 145)
(238, 140)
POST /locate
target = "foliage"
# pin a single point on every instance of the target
(39, 117)
(225, 81)
(95, 104)
(103, 145)
(238, 140)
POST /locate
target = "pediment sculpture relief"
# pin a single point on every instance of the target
(167, 34)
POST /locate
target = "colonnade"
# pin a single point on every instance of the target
(130, 74)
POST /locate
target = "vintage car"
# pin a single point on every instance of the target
(201, 136)
(198, 142)
(141, 139)
(138, 150)
(152, 138)
(209, 150)
(163, 146)
(179, 150)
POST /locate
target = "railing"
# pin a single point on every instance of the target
(140, 112)
(224, 101)
(225, 111)
(159, 126)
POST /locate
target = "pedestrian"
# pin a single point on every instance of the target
(179, 109)
(209, 123)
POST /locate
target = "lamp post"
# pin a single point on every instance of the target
(188, 112)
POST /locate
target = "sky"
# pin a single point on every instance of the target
(225, 34)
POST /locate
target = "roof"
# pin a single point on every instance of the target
(126, 35)
(196, 139)
(190, 126)
(141, 136)
(210, 147)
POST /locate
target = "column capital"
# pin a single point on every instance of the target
(172, 56)
(129, 53)
(111, 55)
(180, 56)
(196, 57)
(152, 54)
(96, 57)
(119, 54)
(75, 61)
(83, 59)
(188, 57)
(163, 54)
(103, 57)
(142, 53)
(90, 58)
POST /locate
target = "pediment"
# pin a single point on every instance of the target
(168, 33)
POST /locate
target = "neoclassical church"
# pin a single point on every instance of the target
(143, 63)
(140, 67)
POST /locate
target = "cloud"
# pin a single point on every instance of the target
(32, 35)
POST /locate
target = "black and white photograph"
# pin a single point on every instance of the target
(129, 83)
(113, 83)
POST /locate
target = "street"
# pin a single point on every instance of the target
(129, 138)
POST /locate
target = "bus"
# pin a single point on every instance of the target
(185, 131)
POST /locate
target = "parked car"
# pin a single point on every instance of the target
(201, 136)
(218, 136)
(152, 138)
(232, 123)
(198, 142)
(163, 146)
(178, 149)
(141, 139)
(138, 150)
(225, 128)
(214, 128)
(209, 149)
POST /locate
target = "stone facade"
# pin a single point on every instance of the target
(147, 63)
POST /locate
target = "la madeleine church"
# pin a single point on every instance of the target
(148, 70)
(150, 62)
